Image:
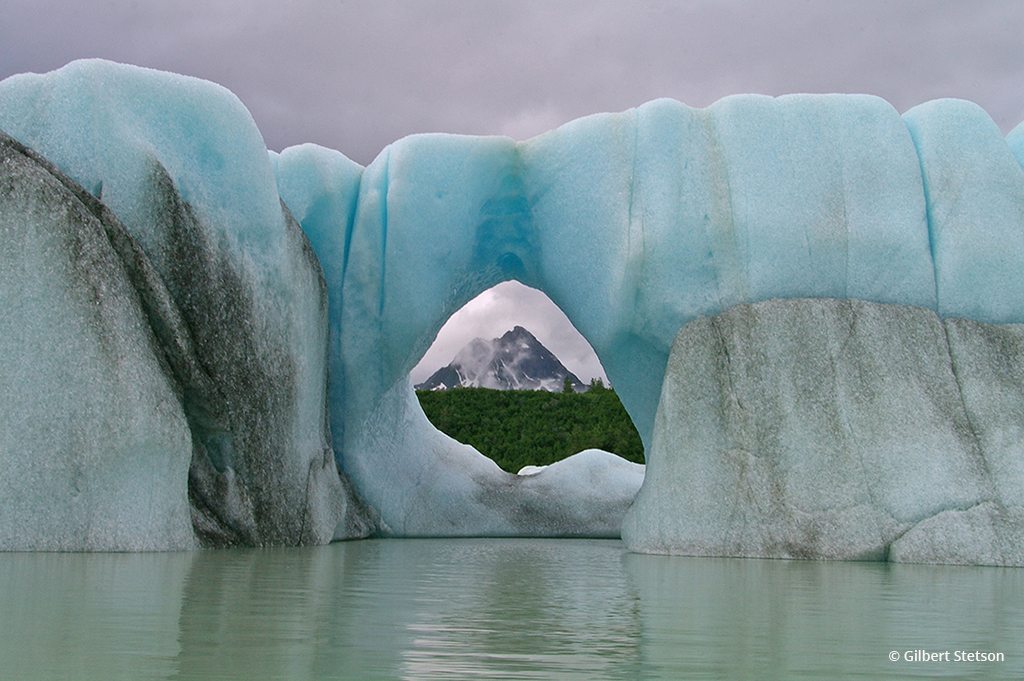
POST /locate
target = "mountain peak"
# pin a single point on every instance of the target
(517, 333)
(515, 361)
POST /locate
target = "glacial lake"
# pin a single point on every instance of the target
(495, 609)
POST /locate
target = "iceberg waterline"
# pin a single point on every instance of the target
(633, 223)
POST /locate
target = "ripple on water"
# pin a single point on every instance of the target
(494, 609)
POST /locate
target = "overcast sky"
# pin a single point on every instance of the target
(357, 75)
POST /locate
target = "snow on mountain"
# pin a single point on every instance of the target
(516, 361)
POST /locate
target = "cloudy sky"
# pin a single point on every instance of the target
(356, 75)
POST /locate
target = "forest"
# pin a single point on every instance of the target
(517, 428)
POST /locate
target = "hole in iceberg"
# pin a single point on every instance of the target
(511, 376)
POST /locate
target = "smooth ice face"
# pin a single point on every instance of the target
(103, 124)
(974, 187)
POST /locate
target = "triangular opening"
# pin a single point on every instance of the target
(510, 375)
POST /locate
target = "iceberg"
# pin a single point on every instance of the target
(243, 326)
(838, 429)
(310, 286)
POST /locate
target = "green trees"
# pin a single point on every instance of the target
(518, 428)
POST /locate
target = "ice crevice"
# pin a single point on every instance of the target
(928, 218)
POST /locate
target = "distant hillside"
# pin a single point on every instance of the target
(516, 361)
(520, 428)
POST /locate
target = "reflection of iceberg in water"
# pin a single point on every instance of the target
(738, 619)
(527, 608)
(415, 609)
(534, 605)
(298, 614)
(92, 616)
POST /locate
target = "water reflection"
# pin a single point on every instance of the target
(422, 609)
(807, 619)
(79, 616)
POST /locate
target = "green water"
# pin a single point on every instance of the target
(509, 609)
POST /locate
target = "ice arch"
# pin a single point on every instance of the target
(633, 224)
(387, 311)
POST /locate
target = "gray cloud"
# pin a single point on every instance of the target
(355, 76)
(358, 75)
